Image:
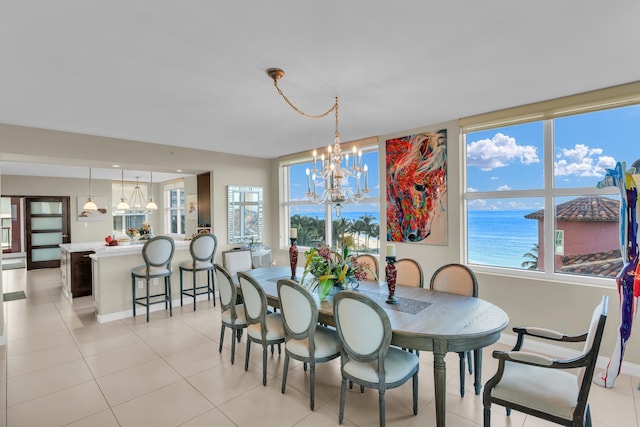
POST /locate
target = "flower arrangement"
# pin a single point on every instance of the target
(330, 268)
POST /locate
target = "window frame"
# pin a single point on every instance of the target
(367, 146)
(176, 185)
(605, 99)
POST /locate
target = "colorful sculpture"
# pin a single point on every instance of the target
(628, 279)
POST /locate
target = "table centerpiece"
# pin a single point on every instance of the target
(332, 270)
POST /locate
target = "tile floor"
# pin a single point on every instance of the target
(62, 368)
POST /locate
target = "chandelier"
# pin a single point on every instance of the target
(333, 171)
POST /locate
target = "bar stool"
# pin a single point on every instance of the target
(157, 253)
(202, 249)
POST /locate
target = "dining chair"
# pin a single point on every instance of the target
(233, 315)
(305, 340)
(544, 386)
(409, 273)
(262, 327)
(458, 279)
(372, 263)
(157, 253)
(203, 250)
(367, 357)
(237, 260)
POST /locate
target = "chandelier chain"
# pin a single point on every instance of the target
(334, 107)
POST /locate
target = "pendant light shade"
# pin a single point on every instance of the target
(151, 206)
(90, 204)
(123, 205)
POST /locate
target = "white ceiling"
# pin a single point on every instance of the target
(192, 73)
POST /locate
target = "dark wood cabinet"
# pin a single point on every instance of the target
(204, 199)
(80, 272)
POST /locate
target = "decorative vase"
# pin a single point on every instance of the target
(390, 276)
(293, 258)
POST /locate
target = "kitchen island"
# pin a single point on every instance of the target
(111, 276)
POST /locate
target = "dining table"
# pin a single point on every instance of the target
(423, 319)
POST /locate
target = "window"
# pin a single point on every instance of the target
(517, 174)
(357, 225)
(122, 221)
(174, 211)
(245, 216)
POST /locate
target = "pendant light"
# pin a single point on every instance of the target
(90, 204)
(151, 206)
(137, 199)
(123, 205)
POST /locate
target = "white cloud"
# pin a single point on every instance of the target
(471, 190)
(499, 151)
(504, 188)
(582, 160)
(494, 178)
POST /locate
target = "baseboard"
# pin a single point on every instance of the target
(141, 311)
(563, 352)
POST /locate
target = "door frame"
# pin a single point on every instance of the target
(66, 228)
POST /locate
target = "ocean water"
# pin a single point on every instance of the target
(500, 238)
(497, 238)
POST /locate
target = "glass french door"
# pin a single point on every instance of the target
(47, 226)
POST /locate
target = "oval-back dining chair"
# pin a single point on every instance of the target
(409, 273)
(305, 340)
(262, 327)
(233, 315)
(372, 263)
(367, 357)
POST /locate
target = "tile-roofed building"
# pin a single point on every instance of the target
(605, 264)
(590, 239)
(590, 208)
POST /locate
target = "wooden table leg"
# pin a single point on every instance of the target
(440, 380)
(477, 369)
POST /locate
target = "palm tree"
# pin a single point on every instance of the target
(374, 232)
(367, 220)
(531, 258)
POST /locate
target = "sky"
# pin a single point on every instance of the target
(511, 158)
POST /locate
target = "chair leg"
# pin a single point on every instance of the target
(382, 409)
(469, 361)
(222, 339)
(211, 286)
(587, 417)
(284, 373)
(312, 386)
(181, 302)
(487, 416)
(264, 365)
(168, 292)
(147, 300)
(233, 345)
(194, 289)
(508, 411)
(133, 292)
(462, 373)
(246, 357)
(343, 396)
(304, 366)
(415, 394)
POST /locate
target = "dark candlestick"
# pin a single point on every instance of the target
(390, 274)
(293, 258)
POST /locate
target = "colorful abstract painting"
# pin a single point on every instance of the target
(416, 167)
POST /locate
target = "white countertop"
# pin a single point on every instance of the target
(102, 250)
